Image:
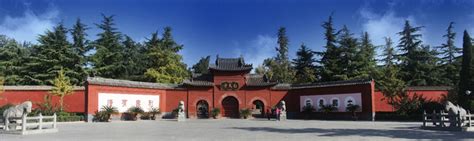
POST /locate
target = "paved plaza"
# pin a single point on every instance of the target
(238, 129)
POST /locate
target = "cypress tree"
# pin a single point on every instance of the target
(348, 46)
(466, 79)
(305, 70)
(80, 46)
(367, 61)
(133, 60)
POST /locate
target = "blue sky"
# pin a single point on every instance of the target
(240, 27)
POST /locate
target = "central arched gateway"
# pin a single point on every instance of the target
(230, 105)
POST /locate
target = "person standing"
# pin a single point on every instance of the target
(278, 111)
(268, 114)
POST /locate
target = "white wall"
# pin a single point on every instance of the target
(343, 98)
(146, 101)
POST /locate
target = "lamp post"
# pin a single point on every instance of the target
(468, 92)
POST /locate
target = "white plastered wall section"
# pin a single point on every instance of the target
(124, 101)
(343, 100)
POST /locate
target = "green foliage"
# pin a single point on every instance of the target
(166, 64)
(46, 107)
(330, 58)
(352, 108)
(449, 60)
(279, 68)
(409, 105)
(305, 70)
(327, 108)
(215, 112)
(13, 57)
(81, 46)
(51, 54)
(2, 81)
(202, 66)
(153, 112)
(245, 113)
(107, 60)
(134, 111)
(105, 113)
(133, 56)
(61, 88)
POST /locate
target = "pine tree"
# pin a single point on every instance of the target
(51, 54)
(281, 67)
(409, 46)
(133, 60)
(367, 63)
(2, 82)
(202, 66)
(449, 59)
(62, 87)
(305, 70)
(107, 59)
(390, 85)
(80, 46)
(388, 53)
(166, 64)
(12, 60)
(331, 56)
(466, 79)
(348, 46)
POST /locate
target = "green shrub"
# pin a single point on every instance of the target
(70, 118)
(134, 111)
(105, 113)
(215, 112)
(245, 113)
(145, 116)
(153, 112)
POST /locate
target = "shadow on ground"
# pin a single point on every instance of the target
(391, 133)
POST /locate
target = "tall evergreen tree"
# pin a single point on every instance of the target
(331, 56)
(390, 85)
(388, 53)
(367, 63)
(202, 66)
(53, 53)
(281, 66)
(449, 57)
(410, 45)
(107, 59)
(466, 74)
(348, 46)
(166, 64)
(133, 60)
(13, 56)
(80, 46)
(305, 69)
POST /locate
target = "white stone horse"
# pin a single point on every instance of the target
(16, 112)
(454, 110)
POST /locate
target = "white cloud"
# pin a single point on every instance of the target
(261, 48)
(382, 25)
(29, 25)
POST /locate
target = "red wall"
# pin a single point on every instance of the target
(72, 103)
(382, 105)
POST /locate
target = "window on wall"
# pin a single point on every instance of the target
(350, 100)
(321, 103)
(308, 102)
(335, 102)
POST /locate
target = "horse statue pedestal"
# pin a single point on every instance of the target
(283, 115)
(181, 116)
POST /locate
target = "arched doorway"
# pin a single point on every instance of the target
(230, 105)
(202, 109)
(258, 109)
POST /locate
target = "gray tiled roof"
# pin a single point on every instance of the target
(199, 80)
(230, 64)
(128, 83)
(258, 80)
(34, 88)
(331, 84)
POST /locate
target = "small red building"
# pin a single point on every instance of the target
(228, 86)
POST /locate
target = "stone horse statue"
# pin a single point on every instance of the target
(454, 110)
(16, 112)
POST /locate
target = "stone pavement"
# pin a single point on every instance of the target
(239, 129)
